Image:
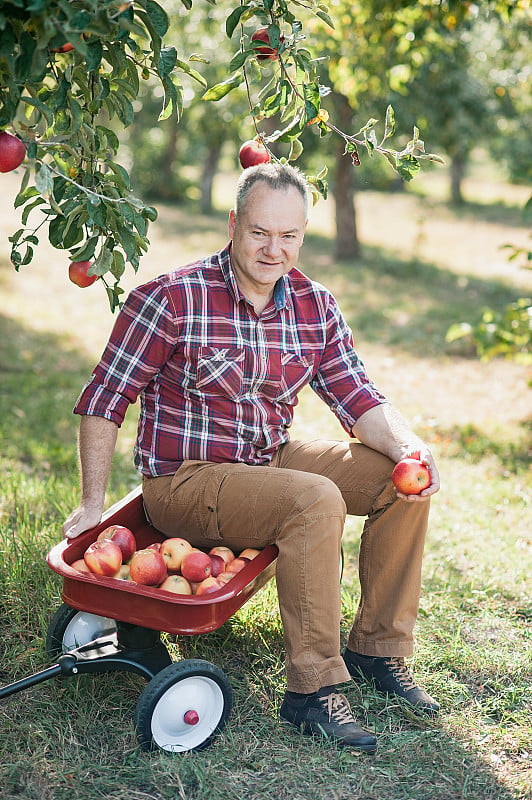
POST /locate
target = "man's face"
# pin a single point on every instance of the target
(267, 237)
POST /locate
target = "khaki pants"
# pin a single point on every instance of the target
(299, 503)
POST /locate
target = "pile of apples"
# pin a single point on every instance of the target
(173, 565)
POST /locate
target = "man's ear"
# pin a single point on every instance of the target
(231, 223)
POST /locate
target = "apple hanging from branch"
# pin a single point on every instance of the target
(12, 152)
(253, 152)
(77, 272)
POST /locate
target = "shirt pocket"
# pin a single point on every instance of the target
(220, 371)
(296, 372)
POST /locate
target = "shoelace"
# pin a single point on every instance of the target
(337, 708)
(401, 672)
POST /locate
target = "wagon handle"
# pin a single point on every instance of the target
(66, 665)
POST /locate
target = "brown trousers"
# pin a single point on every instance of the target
(299, 502)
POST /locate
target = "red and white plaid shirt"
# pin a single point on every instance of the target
(216, 382)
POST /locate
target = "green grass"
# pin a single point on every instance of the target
(74, 737)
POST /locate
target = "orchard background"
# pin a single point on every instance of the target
(142, 169)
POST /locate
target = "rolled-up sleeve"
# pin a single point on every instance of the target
(142, 340)
(341, 380)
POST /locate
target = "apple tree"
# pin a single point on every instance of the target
(69, 80)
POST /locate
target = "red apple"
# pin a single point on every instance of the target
(250, 553)
(65, 48)
(196, 566)
(124, 573)
(103, 557)
(266, 52)
(77, 272)
(176, 584)
(80, 565)
(225, 577)
(123, 537)
(217, 565)
(208, 585)
(236, 565)
(12, 152)
(173, 550)
(225, 552)
(252, 153)
(154, 546)
(410, 476)
(148, 568)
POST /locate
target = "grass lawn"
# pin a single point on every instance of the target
(424, 266)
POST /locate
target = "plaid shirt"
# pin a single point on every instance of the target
(216, 382)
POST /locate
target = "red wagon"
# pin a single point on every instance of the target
(108, 625)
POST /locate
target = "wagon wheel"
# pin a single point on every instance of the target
(70, 628)
(183, 707)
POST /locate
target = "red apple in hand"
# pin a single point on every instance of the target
(410, 476)
(77, 272)
(196, 566)
(147, 567)
(265, 52)
(12, 152)
(173, 550)
(103, 557)
(123, 537)
(252, 153)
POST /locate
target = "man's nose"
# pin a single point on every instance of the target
(273, 246)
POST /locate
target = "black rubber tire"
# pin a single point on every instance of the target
(62, 619)
(181, 684)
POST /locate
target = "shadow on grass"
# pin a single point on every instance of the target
(41, 378)
(408, 304)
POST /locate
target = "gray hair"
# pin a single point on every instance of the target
(276, 176)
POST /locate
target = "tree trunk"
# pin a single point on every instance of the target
(458, 163)
(347, 244)
(210, 167)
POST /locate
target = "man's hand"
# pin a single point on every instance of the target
(426, 458)
(97, 440)
(81, 519)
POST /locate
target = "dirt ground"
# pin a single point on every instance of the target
(439, 392)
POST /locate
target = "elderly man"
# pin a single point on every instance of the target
(218, 351)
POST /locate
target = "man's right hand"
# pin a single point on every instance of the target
(81, 519)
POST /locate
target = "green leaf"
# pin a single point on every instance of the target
(86, 251)
(158, 17)
(29, 208)
(221, 89)
(94, 56)
(169, 100)
(407, 166)
(44, 180)
(118, 265)
(44, 110)
(389, 124)
(240, 58)
(167, 61)
(102, 263)
(234, 18)
(186, 68)
(325, 17)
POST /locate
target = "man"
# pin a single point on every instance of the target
(218, 351)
